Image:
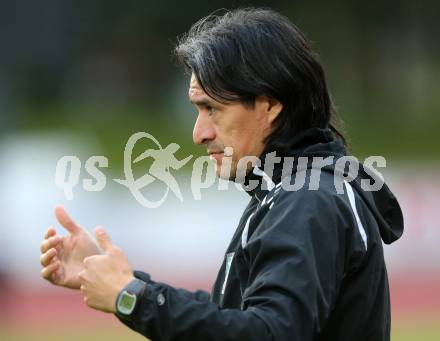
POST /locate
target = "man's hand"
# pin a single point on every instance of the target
(62, 256)
(104, 276)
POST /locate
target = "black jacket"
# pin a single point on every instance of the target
(302, 265)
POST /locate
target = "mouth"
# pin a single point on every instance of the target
(216, 156)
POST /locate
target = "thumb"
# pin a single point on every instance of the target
(103, 238)
(65, 220)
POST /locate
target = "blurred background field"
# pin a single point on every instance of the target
(79, 77)
(422, 332)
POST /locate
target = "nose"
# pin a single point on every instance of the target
(204, 130)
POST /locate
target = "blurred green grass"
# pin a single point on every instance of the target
(424, 328)
(403, 138)
(402, 332)
(71, 335)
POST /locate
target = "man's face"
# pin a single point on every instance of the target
(233, 125)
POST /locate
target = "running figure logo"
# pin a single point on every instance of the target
(164, 159)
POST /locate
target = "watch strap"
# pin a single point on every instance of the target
(136, 287)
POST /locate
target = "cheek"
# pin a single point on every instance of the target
(246, 142)
(244, 131)
(232, 136)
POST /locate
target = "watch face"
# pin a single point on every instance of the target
(126, 303)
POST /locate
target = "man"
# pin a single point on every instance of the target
(303, 264)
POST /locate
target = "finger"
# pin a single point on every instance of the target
(103, 238)
(49, 270)
(50, 232)
(88, 260)
(82, 277)
(46, 258)
(65, 220)
(50, 243)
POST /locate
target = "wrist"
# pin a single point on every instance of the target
(128, 297)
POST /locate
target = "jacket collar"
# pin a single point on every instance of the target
(312, 142)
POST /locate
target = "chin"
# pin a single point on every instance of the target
(224, 174)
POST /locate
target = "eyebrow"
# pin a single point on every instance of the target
(202, 102)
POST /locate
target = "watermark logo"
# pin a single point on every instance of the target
(164, 161)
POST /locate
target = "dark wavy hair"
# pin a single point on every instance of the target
(249, 52)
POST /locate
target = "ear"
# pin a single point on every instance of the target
(271, 107)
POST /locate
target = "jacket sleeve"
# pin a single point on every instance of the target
(199, 295)
(296, 262)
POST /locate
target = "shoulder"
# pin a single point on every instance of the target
(304, 209)
(308, 193)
